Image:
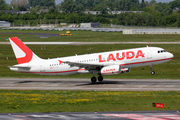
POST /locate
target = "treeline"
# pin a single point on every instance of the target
(70, 6)
(50, 17)
(155, 14)
(145, 19)
(129, 19)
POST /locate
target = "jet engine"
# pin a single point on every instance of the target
(113, 69)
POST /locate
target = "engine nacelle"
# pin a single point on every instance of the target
(113, 69)
(125, 70)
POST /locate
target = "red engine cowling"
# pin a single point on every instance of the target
(113, 69)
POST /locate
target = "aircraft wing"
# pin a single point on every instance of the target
(88, 66)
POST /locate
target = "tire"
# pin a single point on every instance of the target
(100, 78)
(93, 79)
(152, 73)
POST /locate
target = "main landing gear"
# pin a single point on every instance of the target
(94, 79)
(152, 72)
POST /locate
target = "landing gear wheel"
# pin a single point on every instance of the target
(100, 78)
(152, 72)
(93, 79)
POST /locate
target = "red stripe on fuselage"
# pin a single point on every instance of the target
(57, 71)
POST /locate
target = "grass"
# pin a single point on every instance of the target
(89, 36)
(168, 70)
(81, 101)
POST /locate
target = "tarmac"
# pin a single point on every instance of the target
(127, 115)
(85, 84)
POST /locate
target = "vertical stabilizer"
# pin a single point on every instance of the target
(22, 52)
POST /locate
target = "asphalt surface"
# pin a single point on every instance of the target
(141, 115)
(85, 84)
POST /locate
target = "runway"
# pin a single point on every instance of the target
(141, 115)
(85, 84)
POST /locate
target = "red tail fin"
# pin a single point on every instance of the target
(22, 52)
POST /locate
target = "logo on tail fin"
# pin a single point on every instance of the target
(25, 51)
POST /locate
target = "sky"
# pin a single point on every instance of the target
(59, 1)
(56, 1)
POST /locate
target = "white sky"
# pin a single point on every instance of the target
(59, 1)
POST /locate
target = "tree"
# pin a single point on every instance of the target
(151, 20)
(68, 6)
(79, 8)
(22, 3)
(167, 11)
(103, 9)
(53, 11)
(142, 4)
(121, 19)
(2, 2)
(162, 21)
(3, 5)
(21, 8)
(152, 2)
(178, 21)
(125, 4)
(47, 3)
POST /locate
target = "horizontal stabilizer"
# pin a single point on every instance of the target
(20, 66)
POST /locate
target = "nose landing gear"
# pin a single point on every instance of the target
(152, 72)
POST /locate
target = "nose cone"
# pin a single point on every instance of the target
(170, 55)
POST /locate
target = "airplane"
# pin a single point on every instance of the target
(104, 63)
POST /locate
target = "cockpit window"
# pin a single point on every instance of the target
(161, 51)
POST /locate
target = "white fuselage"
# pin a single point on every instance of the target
(128, 58)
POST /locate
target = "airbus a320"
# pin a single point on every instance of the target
(104, 63)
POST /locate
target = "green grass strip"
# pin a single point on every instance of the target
(12, 101)
(89, 36)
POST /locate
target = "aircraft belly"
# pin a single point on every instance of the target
(65, 70)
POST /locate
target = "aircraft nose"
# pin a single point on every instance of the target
(171, 55)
